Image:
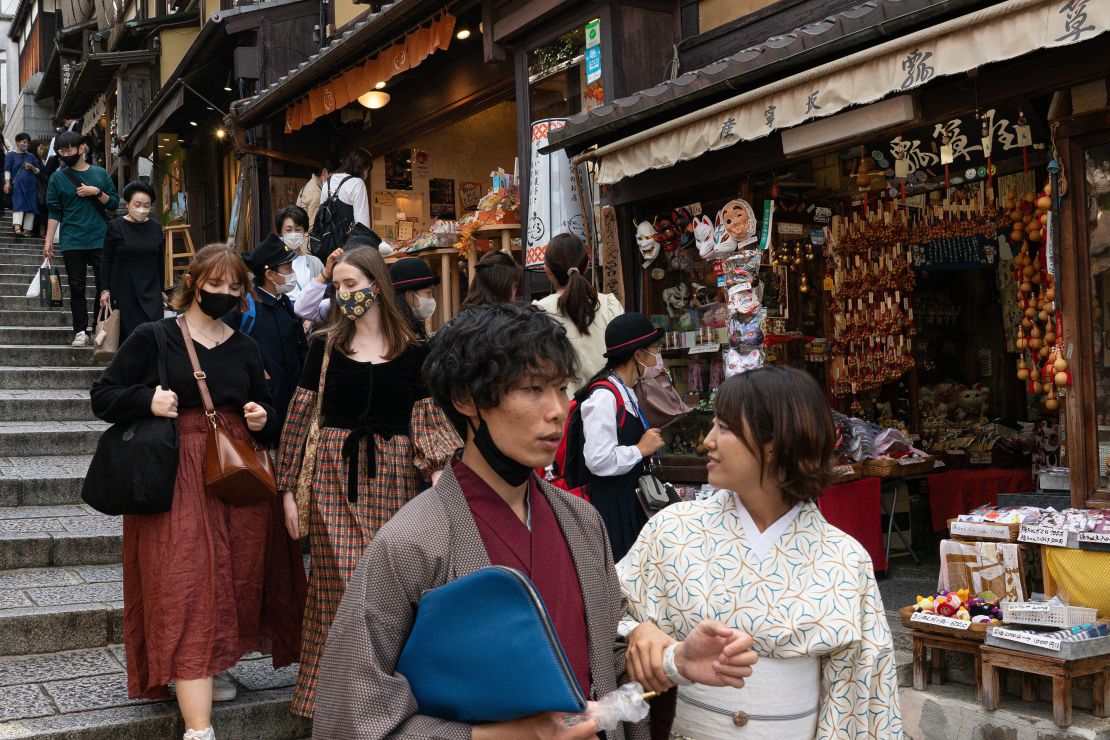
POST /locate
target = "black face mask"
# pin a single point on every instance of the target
(507, 468)
(70, 159)
(217, 304)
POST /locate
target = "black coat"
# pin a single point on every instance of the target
(281, 342)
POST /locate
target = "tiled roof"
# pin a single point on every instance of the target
(752, 66)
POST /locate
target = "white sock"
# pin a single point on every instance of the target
(205, 734)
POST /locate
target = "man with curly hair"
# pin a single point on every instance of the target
(500, 374)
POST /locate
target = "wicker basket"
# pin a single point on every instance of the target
(897, 468)
(975, 632)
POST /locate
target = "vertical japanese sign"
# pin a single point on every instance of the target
(593, 51)
(553, 197)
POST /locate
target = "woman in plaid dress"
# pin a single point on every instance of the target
(379, 437)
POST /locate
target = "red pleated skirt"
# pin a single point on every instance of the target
(206, 583)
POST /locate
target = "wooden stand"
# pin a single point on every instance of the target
(935, 646)
(1062, 672)
(171, 255)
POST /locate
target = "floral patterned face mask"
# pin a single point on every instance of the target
(355, 305)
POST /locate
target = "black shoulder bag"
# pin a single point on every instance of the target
(135, 465)
(95, 201)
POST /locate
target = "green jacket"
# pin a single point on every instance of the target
(81, 223)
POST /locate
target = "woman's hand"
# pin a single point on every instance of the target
(646, 644)
(255, 416)
(330, 265)
(716, 655)
(546, 726)
(164, 403)
(106, 299)
(7, 187)
(292, 520)
(650, 443)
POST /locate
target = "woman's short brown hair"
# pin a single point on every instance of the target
(785, 408)
(213, 259)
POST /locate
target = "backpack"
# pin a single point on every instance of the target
(335, 224)
(569, 468)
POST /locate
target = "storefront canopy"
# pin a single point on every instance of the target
(996, 33)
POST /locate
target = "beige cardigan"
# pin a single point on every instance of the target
(590, 347)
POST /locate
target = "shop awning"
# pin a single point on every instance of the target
(996, 33)
(94, 76)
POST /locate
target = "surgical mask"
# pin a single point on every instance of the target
(69, 159)
(216, 305)
(658, 362)
(293, 240)
(139, 214)
(287, 285)
(356, 304)
(21, 146)
(508, 469)
(425, 308)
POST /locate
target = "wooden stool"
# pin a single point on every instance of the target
(1062, 672)
(186, 254)
(937, 645)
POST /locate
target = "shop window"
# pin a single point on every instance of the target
(557, 85)
(1097, 224)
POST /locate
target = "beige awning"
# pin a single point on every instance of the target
(996, 33)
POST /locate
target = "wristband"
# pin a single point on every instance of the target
(671, 669)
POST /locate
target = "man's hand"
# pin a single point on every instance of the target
(716, 655)
(546, 726)
(48, 250)
(7, 187)
(646, 644)
(88, 191)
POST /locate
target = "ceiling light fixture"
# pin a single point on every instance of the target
(379, 85)
(220, 133)
(374, 99)
(192, 123)
(463, 33)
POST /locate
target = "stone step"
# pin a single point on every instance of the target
(45, 405)
(18, 269)
(42, 481)
(82, 695)
(38, 355)
(56, 316)
(67, 378)
(44, 536)
(22, 303)
(47, 619)
(19, 289)
(49, 437)
(42, 335)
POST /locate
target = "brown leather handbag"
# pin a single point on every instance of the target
(238, 472)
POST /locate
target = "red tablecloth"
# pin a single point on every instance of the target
(856, 508)
(960, 491)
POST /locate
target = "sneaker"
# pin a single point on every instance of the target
(223, 688)
(81, 339)
(206, 734)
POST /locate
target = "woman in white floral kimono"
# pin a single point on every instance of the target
(760, 557)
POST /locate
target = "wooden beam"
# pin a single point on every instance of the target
(491, 50)
(521, 18)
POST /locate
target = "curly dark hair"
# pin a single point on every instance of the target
(485, 351)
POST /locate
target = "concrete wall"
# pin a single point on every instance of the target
(24, 114)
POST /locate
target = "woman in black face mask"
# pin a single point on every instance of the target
(206, 581)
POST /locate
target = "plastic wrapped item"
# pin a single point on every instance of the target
(626, 704)
(843, 426)
(893, 444)
(742, 360)
(743, 300)
(863, 440)
(746, 331)
(742, 268)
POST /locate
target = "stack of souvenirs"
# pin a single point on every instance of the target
(983, 609)
(861, 441)
(871, 281)
(745, 312)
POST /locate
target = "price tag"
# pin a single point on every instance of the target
(1028, 638)
(1044, 536)
(1031, 606)
(1095, 538)
(981, 458)
(939, 621)
(981, 529)
(705, 348)
(909, 461)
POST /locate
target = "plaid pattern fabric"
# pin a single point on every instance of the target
(433, 436)
(293, 435)
(431, 541)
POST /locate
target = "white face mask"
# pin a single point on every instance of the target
(139, 214)
(425, 308)
(293, 240)
(287, 286)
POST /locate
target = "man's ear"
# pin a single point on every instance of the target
(466, 406)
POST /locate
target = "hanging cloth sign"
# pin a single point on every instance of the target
(768, 216)
(554, 201)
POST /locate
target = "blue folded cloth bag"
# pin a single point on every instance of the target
(483, 649)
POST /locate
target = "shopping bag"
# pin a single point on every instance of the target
(34, 290)
(55, 288)
(44, 283)
(106, 337)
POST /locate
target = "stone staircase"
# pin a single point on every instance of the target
(61, 599)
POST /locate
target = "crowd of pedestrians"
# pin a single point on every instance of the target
(405, 459)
